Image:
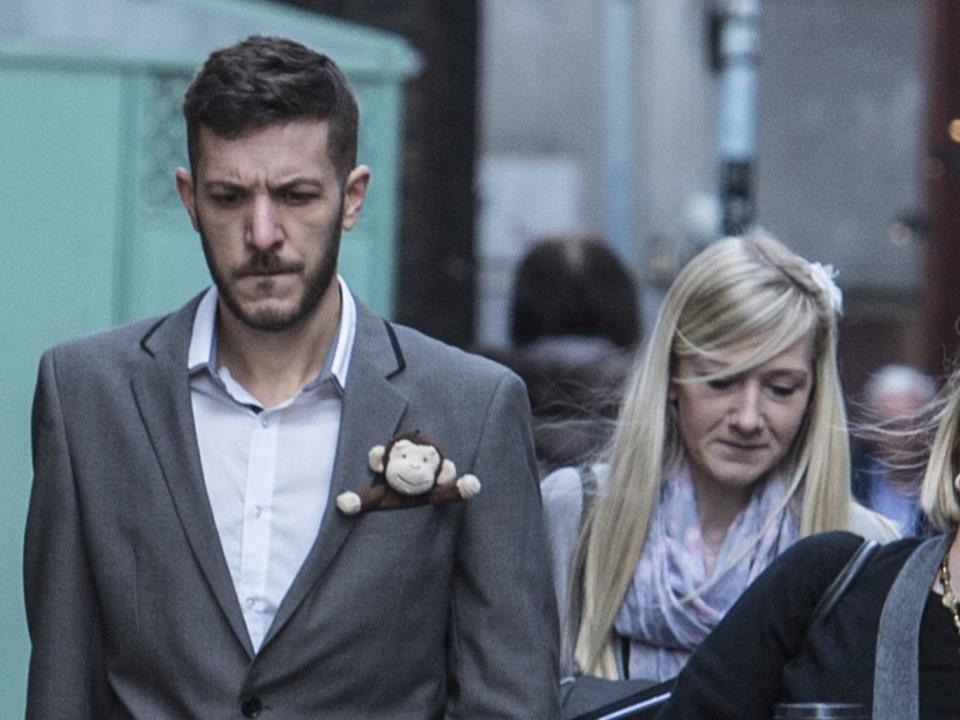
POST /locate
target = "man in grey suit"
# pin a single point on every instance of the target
(185, 556)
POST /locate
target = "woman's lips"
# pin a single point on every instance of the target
(742, 447)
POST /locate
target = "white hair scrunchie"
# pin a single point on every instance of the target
(823, 276)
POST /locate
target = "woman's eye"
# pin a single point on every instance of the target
(720, 383)
(783, 391)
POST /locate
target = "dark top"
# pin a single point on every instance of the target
(761, 653)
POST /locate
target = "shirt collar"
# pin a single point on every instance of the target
(202, 353)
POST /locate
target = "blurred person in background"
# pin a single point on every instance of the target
(889, 640)
(730, 445)
(574, 326)
(885, 473)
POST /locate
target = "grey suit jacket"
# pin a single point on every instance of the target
(417, 613)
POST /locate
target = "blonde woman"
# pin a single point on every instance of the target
(730, 445)
(889, 641)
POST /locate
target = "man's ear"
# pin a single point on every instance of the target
(354, 195)
(188, 195)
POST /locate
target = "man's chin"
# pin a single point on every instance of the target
(276, 305)
(267, 315)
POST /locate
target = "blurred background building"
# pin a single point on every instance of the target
(489, 124)
(602, 117)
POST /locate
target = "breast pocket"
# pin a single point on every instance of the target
(422, 520)
(390, 552)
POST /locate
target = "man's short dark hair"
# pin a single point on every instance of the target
(263, 81)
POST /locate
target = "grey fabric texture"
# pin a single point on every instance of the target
(896, 675)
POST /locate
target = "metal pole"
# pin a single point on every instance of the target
(737, 144)
(619, 143)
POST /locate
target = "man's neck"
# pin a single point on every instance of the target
(274, 366)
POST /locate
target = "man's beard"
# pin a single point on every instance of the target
(271, 319)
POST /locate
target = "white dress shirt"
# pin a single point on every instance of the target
(267, 472)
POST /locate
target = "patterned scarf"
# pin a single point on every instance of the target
(665, 613)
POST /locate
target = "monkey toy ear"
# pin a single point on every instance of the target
(376, 458)
(448, 471)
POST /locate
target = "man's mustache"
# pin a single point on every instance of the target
(266, 264)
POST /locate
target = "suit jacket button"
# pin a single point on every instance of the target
(251, 707)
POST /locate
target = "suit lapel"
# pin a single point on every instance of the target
(372, 410)
(162, 392)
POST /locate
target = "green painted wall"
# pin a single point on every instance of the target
(57, 263)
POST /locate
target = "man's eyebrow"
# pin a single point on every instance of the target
(232, 184)
(299, 180)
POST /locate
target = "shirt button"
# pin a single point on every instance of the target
(264, 421)
(251, 707)
(250, 601)
(257, 512)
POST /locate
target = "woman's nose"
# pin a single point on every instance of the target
(747, 416)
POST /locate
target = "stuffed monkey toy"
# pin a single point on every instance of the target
(413, 471)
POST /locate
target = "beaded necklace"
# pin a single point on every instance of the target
(949, 600)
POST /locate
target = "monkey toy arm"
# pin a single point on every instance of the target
(463, 489)
(351, 503)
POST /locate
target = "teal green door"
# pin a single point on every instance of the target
(57, 258)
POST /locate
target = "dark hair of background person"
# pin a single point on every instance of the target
(574, 285)
(267, 80)
(575, 325)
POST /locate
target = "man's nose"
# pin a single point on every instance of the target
(747, 415)
(263, 228)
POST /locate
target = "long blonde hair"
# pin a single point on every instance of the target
(938, 491)
(735, 290)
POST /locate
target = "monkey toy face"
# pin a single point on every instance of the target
(412, 469)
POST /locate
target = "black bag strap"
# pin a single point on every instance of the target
(841, 582)
(592, 698)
